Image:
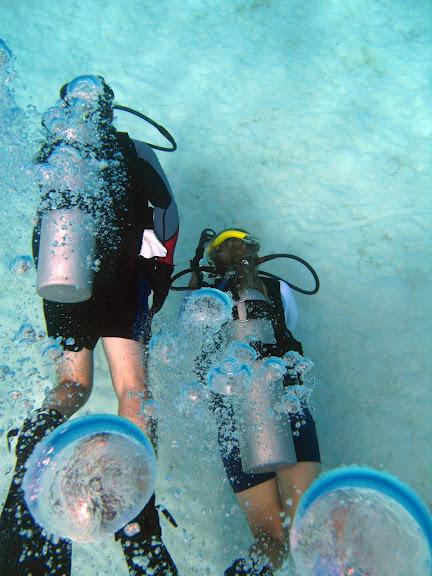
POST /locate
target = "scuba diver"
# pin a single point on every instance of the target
(265, 498)
(94, 174)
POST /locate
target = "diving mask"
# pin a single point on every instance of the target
(229, 234)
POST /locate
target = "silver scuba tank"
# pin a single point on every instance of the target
(266, 441)
(66, 256)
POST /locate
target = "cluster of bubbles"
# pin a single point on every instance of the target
(16, 142)
(79, 165)
(15, 123)
(66, 170)
(6, 76)
(17, 137)
(240, 369)
(191, 400)
(172, 359)
(229, 377)
(182, 355)
(206, 310)
(197, 356)
(20, 264)
(179, 356)
(51, 349)
(31, 357)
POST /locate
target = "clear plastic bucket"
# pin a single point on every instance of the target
(90, 477)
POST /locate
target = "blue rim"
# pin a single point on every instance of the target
(213, 293)
(78, 428)
(72, 431)
(363, 477)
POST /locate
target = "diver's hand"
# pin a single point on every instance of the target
(159, 277)
(206, 235)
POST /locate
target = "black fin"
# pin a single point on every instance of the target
(24, 548)
(145, 551)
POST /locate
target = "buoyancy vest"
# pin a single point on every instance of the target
(268, 308)
(256, 306)
(119, 235)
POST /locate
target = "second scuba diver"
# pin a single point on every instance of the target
(266, 498)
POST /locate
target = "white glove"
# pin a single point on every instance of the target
(151, 246)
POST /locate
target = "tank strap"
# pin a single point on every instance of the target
(167, 515)
(284, 338)
(11, 434)
(242, 311)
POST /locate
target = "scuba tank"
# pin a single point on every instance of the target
(67, 245)
(248, 329)
(266, 442)
(254, 386)
(66, 256)
(265, 437)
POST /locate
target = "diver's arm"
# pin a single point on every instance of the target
(165, 220)
(196, 276)
(289, 305)
(194, 280)
(159, 243)
(158, 192)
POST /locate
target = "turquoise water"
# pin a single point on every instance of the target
(309, 124)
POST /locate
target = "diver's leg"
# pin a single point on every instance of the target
(257, 495)
(24, 549)
(75, 382)
(263, 509)
(128, 373)
(293, 481)
(144, 550)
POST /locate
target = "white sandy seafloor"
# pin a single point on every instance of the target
(307, 123)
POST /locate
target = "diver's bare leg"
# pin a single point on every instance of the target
(129, 377)
(128, 373)
(293, 482)
(24, 547)
(263, 508)
(75, 382)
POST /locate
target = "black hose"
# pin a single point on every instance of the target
(199, 269)
(298, 259)
(196, 269)
(158, 127)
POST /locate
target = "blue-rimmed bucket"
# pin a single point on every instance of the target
(358, 521)
(206, 309)
(218, 295)
(90, 477)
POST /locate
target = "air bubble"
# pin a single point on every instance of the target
(21, 265)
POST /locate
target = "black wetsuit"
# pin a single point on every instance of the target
(118, 305)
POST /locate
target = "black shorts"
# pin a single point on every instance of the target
(117, 310)
(304, 437)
